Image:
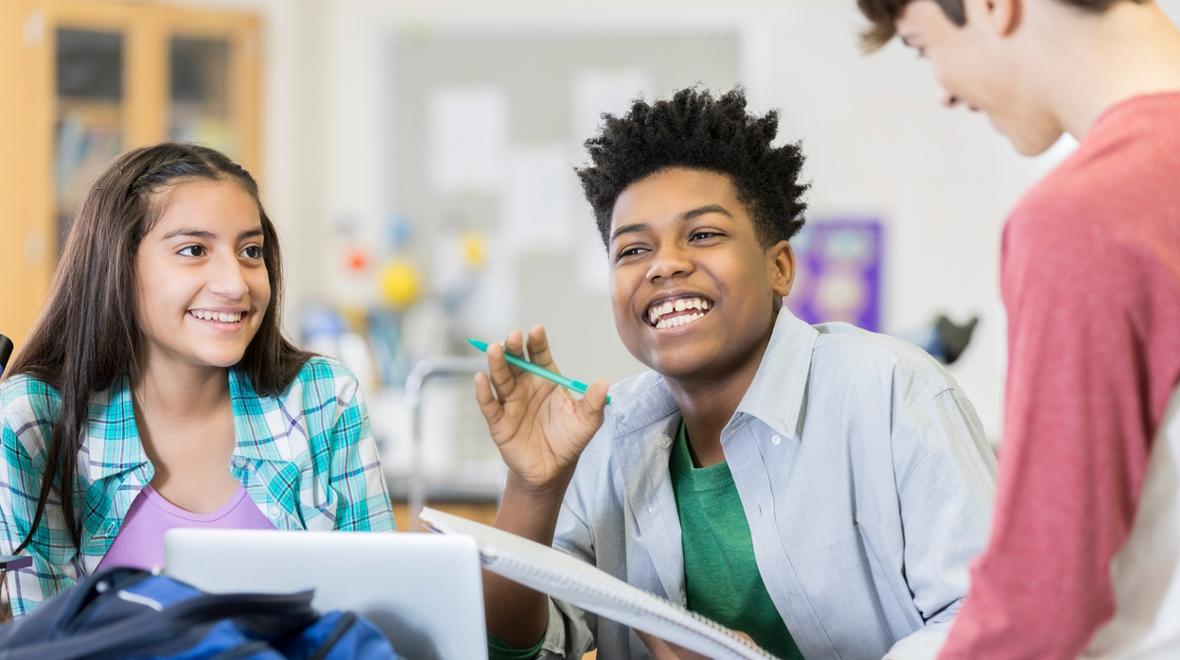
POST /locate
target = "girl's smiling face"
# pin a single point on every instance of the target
(202, 284)
(695, 292)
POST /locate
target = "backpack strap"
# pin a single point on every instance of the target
(280, 612)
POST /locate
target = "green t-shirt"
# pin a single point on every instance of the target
(720, 575)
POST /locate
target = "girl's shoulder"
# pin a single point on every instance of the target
(320, 393)
(24, 391)
(319, 383)
(322, 373)
(29, 406)
(322, 367)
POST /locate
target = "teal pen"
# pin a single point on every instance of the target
(575, 385)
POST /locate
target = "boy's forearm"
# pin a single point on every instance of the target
(516, 614)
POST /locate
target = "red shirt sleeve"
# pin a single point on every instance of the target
(1076, 442)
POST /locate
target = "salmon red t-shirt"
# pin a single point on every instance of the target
(1091, 283)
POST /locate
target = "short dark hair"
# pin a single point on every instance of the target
(88, 333)
(696, 131)
(882, 15)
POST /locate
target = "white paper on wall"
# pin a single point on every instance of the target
(538, 198)
(493, 308)
(468, 137)
(595, 91)
(593, 264)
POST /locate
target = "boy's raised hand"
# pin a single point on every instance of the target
(661, 650)
(539, 427)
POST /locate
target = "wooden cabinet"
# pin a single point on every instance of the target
(84, 81)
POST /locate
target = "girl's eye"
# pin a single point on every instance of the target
(192, 251)
(252, 251)
(703, 235)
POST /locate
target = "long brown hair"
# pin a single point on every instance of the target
(88, 335)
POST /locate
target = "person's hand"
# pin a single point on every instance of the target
(661, 650)
(538, 426)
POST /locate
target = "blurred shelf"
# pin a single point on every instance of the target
(481, 512)
(85, 81)
(445, 489)
(97, 110)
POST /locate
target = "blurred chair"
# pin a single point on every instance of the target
(5, 352)
(422, 373)
(944, 339)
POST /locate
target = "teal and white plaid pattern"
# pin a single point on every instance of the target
(307, 458)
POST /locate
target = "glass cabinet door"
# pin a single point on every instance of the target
(199, 93)
(89, 95)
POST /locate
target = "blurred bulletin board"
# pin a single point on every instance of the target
(838, 272)
(485, 131)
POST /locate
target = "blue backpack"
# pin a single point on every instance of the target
(130, 613)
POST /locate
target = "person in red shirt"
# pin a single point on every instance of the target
(1084, 553)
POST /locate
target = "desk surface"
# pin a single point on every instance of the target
(482, 512)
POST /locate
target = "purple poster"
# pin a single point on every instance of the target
(838, 272)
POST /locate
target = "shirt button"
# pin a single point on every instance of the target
(665, 441)
(776, 440)
(239, 462)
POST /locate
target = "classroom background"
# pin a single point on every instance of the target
(417, 158)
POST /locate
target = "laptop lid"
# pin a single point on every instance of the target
(423, 590)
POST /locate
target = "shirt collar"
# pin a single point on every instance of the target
(112, 445)
(776, 395)
(258, 426)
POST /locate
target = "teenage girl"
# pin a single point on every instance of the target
(157, 391)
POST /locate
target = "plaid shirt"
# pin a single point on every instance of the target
(306, 457)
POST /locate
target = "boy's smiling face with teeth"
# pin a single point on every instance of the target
(693, 289)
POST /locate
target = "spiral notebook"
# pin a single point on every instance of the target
(563, 577)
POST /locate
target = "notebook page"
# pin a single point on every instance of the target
(563, 577)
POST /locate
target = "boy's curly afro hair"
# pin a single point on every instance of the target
(696, 131)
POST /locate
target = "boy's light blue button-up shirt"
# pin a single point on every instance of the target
(865, 477)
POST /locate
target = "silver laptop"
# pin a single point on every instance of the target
(423, 590)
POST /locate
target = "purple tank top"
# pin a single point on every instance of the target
(140, 543)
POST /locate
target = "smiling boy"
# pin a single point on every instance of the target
(1084, 556)
(821, 489)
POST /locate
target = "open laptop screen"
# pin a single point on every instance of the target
(423, 590)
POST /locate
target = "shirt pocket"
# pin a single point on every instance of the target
(320, 504)
(287, 496)
(848, 557)
(840, 588)
(823, 564)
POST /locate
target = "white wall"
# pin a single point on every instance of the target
(876, 139)
(878, 142)
(295, 130)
